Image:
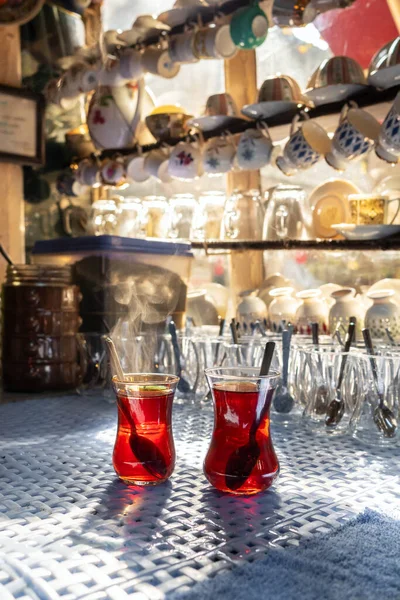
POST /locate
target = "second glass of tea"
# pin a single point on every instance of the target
(144, 451)
(241, 458)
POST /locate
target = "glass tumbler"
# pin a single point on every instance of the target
(132, 218)
(144, 452)
(326, 386)
(183, 207)
(241, 458)
(380, 397)
(103, 218)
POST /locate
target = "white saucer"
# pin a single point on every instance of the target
(366, 232)
(216, 122)
(334, 93)
(385, 78)
(263, 110)
(327, 204)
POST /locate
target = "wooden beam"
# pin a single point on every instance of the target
(241, 84)
(12, 227)
(246, 268)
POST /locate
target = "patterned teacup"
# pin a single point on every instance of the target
(354, 138)
(388, 147)
(185, 162)
(218, 156)
(254, 149)
(304, 148)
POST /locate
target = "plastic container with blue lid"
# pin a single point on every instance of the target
(174, 256)
(119, 275)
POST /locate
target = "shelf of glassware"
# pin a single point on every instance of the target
(211, 246)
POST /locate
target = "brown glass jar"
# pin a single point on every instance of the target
(40, 325)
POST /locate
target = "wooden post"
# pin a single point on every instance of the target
(394, 7)
(246, 268)
(12, 226)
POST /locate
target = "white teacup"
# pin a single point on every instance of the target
(218, 156)
(182, 48)
(110, 75)
(79, 79)
(354, 138)
(130, 64)
(388, 147)
(135, 170)
(153, 162)
(304, 148)
(214, 42)
(88, 173)
(159, 63)
(163, 172)
(185, 162)
(254, 149)
(112, 172)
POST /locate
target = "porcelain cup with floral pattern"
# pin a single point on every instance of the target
(305, 146)
(218, 156)
(354, 138)
(254, 149)
(185, 161)
(112, 172)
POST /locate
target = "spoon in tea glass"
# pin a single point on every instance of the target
(335, 411)
(384, 418)
(243, 460)
(183, 384)
(283, 400)
(146, 451)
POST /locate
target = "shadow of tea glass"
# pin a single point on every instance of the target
(241, 458)
(144, 452)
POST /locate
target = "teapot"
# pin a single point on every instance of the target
(115, 113)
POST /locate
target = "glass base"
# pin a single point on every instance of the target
(142, 483)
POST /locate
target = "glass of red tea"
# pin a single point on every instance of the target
(241, 458)
(144, 451)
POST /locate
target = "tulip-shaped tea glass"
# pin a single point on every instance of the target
(241, 458)
(144, 452)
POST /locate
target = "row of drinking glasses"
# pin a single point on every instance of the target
(182, 216)
(313, 377)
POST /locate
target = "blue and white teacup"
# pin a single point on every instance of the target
(254, 148)
(305, 146)
(354, 138)
(218, 156)
(388, 147)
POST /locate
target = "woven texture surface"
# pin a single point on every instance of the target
(70, 530)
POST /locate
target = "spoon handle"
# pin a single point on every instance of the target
(285, 355)
(175, 346)
(314, 333)
(370, 349)
(347, 344)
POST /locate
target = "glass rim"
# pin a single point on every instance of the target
(228, 373)
(152, 378)
(379, 357)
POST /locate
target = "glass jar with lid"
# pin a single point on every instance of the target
(208, 216)
(40, 326)
(158, 221)
(183, 207)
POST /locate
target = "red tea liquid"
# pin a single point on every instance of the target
(144, 452)
(241, 460)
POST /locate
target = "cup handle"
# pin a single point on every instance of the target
(398, 209)
(293, 124)
(343, 112)
(263, 127)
